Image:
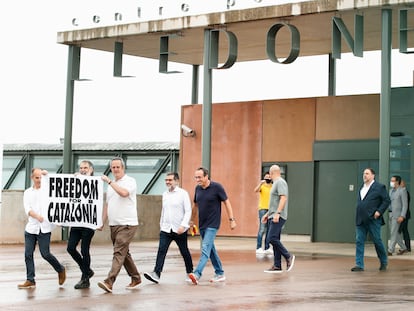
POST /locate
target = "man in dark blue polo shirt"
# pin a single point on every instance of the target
(207, 199)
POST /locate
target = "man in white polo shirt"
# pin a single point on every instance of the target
(121, 211)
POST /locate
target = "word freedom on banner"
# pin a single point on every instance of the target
(75, 201)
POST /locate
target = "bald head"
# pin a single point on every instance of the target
(274, 171)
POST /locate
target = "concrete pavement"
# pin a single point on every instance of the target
(320, 280)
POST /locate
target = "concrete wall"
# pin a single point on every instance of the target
(13, 219)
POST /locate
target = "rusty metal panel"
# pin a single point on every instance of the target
(288, 130)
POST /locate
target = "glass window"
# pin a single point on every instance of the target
(9, 165)
(143, 168)
(47, 162)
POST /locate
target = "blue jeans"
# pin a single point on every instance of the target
(43, 239)
(373, 227)
(208, 251)
(83, 259)
(164, 244)
(275, 229)
(262, 230)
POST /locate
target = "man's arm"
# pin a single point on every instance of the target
(280, 207)
(229, 211)
(404, 202)
(385, 201)
(257, 189)
(185, 222)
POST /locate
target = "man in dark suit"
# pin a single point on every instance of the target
(373, 201)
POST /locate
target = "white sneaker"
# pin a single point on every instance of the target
(187, 278)
(153, 277)
(218, 278)
(269, 251)
(260, 251)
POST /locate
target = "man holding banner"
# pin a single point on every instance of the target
(83, 235)
(38, 230)
(121, 211)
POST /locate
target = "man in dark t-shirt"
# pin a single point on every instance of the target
(208, 197)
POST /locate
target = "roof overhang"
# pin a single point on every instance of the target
(313, 19)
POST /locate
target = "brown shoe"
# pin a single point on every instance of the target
(134, 283)
(27, 285)
(105, 286)
(402, 251)
(62, 276)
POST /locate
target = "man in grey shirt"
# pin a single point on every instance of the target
(276, 218)
(398, 211)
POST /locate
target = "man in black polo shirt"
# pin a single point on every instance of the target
(207, 199)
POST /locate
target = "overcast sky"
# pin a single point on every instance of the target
(147, 107)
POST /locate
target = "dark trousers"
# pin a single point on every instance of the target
(83, 259)
(279, 250)
(164, 244)
(43, 239)
(406, 235)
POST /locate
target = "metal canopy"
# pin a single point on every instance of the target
(313, 20)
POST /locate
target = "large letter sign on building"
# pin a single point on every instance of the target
(294, 43)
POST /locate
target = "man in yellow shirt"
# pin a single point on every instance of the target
(263, 188)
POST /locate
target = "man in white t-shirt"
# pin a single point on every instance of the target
(121, 211)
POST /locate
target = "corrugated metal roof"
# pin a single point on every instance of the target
(139, 146)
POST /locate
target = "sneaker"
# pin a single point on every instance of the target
(194, 278)
(273, 269)
(357, 269)
(290, 262)
(105, 286)
(187, 279)
(62, 276)
(27, 285)
(153, 277)
(269, 251)
(218, 278)
(383, 267)
(83, 283)
(260, 251)
(134, 283)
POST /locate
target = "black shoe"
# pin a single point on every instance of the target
(83, 283)
(91, 273)
(357, 269)
(383, 267)
(402, 251)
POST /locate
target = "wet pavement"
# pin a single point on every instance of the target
(320, 280)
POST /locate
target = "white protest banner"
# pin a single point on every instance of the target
(73, 200)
